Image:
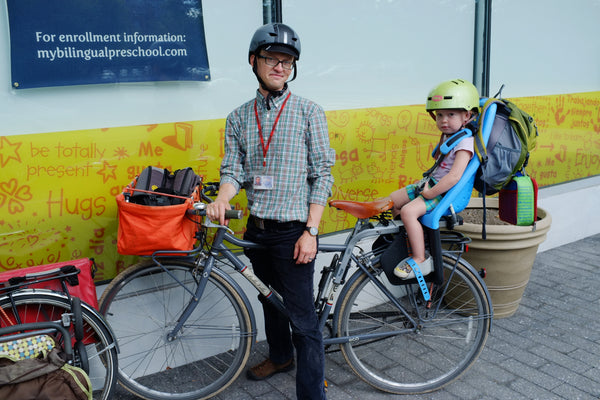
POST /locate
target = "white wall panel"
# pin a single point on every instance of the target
(368, 53)
(542, 47)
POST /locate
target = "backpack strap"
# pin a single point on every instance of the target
(481, 148)
(481, 151)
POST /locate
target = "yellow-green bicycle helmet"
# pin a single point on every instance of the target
(456, 93)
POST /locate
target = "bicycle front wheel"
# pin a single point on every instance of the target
(144, 303)
(96, 342)
(397, 355)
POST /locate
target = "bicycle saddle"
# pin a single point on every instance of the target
(363, 210)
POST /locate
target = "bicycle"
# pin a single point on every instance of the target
(77, 327)
(193, 327)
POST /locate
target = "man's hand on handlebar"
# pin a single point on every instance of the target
(215, 211)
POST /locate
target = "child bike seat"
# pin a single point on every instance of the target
(457, 198)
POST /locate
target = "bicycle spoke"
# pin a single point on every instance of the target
(399, 356)
(200, 359)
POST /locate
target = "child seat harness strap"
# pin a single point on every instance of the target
(420, 279)
(445, 148)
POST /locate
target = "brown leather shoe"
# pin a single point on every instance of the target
(268, 368)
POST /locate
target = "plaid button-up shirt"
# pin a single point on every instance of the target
(298, 158)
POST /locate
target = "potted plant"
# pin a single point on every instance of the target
(507, 254)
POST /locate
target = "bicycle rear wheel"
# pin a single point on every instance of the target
(415, 358)
(42, 306)
(144, 303)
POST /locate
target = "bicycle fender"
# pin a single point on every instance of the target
(109, 329)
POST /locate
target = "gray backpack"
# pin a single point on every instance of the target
(160, 187)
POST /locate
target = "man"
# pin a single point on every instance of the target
(277, 149)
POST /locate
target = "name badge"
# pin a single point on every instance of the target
(263, 182)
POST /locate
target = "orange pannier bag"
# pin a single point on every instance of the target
(146, 229)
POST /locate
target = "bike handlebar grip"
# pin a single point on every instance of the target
(234, 214)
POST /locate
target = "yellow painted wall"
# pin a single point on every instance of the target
(57, 189)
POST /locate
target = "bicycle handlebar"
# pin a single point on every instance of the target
(234, 214)
(200, 209)
(211, 189)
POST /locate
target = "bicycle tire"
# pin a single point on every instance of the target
(77, 317)
(40, 305)
(205, 358)
(81, 356)
(422, 358)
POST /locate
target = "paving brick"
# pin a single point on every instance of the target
(556, 357)
(533, 391)
(581, 382)
(567, 391)
(524, 371)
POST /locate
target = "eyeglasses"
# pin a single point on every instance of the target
(273, 62)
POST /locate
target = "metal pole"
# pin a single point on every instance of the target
(267, 11)
(271, 11)
(482, 50)
(278, 12)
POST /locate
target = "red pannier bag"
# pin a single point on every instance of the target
(146, 229)
(39, 277)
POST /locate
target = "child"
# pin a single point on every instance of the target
(453, 104)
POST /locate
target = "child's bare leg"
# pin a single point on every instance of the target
(410, 214)
(400, 198)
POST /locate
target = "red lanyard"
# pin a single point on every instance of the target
(265, 149)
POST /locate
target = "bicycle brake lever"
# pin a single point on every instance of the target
(209, 224)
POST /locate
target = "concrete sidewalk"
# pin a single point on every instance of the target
(550, 349)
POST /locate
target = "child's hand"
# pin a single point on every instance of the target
(421, 185)
(425, 193)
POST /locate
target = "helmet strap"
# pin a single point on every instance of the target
(295, 72)
(471, 118)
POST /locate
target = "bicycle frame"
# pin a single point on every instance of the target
(362, 231)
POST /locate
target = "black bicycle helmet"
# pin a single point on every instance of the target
(275, 37)
(279, 38)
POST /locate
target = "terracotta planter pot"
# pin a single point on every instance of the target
(507, 254)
